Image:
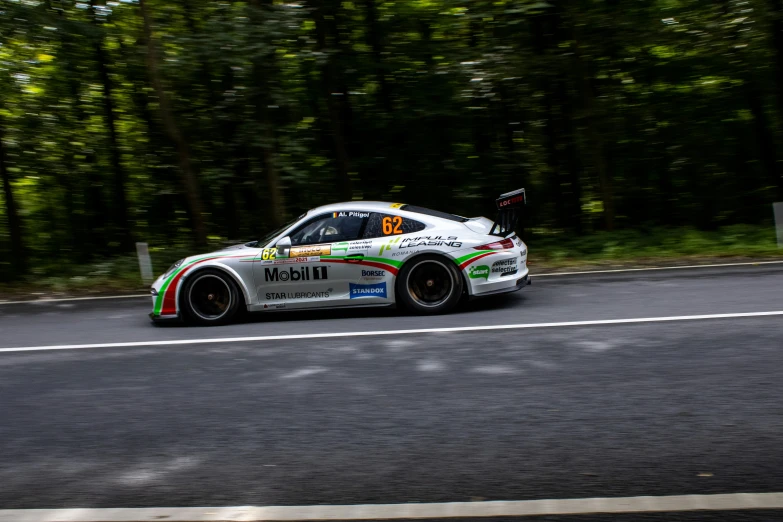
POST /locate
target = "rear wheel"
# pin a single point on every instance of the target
(429, 285)
(210, 298)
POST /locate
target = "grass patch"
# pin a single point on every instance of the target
(659, 244)
(110, 276)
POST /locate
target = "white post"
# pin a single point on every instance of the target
(778, 208)
(145, 263)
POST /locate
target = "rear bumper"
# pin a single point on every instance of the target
(521, 282)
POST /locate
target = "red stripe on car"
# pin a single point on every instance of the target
(365, 263)
(469, 261)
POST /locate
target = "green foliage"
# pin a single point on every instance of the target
(656, 244)
(614, 115)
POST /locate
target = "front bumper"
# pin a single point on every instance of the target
(164, 318)
(159, 318)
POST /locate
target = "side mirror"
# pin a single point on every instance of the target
(283, 247)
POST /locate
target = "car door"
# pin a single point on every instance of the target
(374, 261)
(310, 276)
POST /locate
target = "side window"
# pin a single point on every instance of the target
(330, 228)
(381, 225)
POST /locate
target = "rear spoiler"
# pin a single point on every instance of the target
(509, 205)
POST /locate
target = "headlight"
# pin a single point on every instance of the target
(172, 268)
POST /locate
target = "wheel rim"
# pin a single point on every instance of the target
(210, 297)
(430, 283)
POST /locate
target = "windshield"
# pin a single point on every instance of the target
(266, 238)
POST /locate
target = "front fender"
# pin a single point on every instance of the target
(166, 302)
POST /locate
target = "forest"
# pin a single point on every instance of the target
(191, 122)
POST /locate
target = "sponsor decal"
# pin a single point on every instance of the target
(274, 306)
(376, 290)
(449, 241)
(404, 253)
(311, 250)
(351, 214)
(511, 201)
(288, 261)
(388, 245)
(294, 274)
(345, 246)
(296, 295)
(396, 205)
(507, 266)
(373, 274)
(478, 272)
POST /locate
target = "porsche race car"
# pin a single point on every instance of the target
(360, 253)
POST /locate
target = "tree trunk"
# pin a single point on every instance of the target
(764, 139)
(189, 181)
(264, 68)
(777, 40)
(595, 140)
(334, 100)
(18, 253)
(374, 39)
(120, 199)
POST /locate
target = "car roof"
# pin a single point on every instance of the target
(356, 205)
(386, 207)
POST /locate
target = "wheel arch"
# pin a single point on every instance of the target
(444, 255)
(230, 272)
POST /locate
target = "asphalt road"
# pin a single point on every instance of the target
(563, 412)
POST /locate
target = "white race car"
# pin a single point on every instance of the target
(362, 253)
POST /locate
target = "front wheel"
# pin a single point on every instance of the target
(210, 298)
(429, 285)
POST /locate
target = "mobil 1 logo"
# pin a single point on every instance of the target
(295, 274)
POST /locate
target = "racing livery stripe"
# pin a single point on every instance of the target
(464, 258)
(384, 261)
(387, 264)
(473, 256)
(166, 303)
(373, 264)
(159, 301)
(463, 265)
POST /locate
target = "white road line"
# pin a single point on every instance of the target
(93, 298)
(512, 508)
(586, 272)
(328, 335)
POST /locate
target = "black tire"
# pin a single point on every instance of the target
(210, 298)
(429, 285)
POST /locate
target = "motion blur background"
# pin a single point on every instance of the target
(638, 128)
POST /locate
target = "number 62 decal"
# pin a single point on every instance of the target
(268, 253)
(392, 225)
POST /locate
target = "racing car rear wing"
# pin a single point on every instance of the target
(509, 208)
